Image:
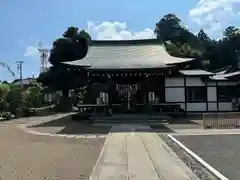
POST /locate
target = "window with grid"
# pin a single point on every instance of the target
(225, 93)
(196, 94)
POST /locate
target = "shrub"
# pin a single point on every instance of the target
(33, 96)
(7, 115)
(17, 102)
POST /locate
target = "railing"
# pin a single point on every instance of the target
(221, 120)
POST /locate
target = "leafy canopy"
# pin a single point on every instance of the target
(181, 42)
(73, 45)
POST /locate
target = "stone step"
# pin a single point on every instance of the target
(131, 117)
(131, 121)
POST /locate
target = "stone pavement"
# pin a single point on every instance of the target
(24, 156)
(132, 152)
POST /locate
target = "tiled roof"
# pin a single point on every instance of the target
(195, 72)
(132, 54)
(225, 76)
(26, 81)
(219, 77)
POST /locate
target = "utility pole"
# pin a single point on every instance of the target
(20, 63)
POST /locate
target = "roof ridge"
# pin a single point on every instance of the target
(126, 42)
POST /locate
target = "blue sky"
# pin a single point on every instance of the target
(25, 23)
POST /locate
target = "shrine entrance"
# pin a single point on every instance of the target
(127, 96)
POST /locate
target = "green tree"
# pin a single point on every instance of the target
(34, 95)
(72, 46)
(168, 28)
(185, 43)
(4, 89)
(231, 32)
(16, 100)
(202, 36)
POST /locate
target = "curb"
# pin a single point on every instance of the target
(25, 128)
(200, 160)
(205, 133)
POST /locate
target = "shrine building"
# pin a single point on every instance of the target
(140, 75)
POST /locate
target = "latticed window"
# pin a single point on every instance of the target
(103, 98)
(152, 97)
(226, 93)
(196, 94)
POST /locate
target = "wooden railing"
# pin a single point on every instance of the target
(221, 120)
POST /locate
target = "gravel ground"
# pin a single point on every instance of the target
(197, 168)
(28, 157)
(220, 151)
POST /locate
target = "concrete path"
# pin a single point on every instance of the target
(131, 152)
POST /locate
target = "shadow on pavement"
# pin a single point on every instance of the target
(69, 126)
(55, 123)
(79, 128)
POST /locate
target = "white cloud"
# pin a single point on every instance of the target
(31, 51)
(116, 31)
(214, 15)
(104, 31)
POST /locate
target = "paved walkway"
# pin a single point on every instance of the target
(133, 155)
(24, 156)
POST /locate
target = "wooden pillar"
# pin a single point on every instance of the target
(146, 98)
(185, 95)
(217, 94)
(109, 105)
(206, 86)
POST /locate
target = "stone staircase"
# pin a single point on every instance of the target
(132, 119)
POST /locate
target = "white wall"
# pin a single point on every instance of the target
(194, 81)
(212, 106)
(174, 81)
(225, 106)
(212, 93)
(175, 93)
(196, 107)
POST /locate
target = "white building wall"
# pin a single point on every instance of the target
(196, 107)
(225, 106)
(212, 94)
(174, 81)
(194, 81)
(175, 93)
(212, 106)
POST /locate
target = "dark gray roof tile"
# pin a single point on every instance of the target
(195, 72)
(121, 55)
